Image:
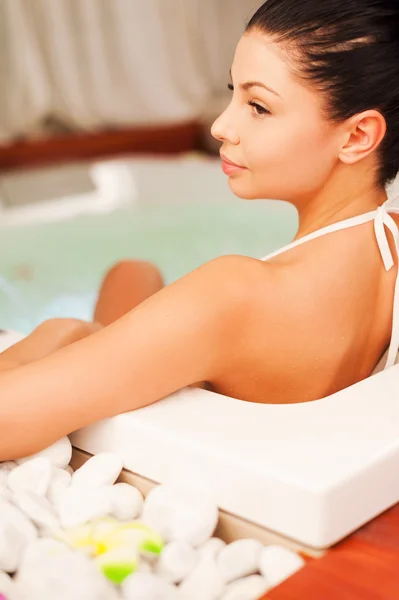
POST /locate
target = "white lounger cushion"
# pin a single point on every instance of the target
(313, 471)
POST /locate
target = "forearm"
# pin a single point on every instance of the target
(68, 389)
(90, 380)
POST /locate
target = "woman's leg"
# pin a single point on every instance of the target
(127, 284)
(48, 337)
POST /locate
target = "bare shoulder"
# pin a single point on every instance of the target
(231, 287)
(207, 309)
(218, 293)
(224, 277)
(232, 273)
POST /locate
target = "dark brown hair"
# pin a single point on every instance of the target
(348, 49)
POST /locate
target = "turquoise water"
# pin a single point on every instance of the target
(54, 269)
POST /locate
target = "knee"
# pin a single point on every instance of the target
(135, 270)
(66, 330)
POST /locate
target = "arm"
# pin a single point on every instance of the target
(177, 337)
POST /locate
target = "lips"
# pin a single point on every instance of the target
(230, 162)
(229, 167)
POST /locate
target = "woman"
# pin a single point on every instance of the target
(313, 120)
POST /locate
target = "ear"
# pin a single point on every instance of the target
(364, 133)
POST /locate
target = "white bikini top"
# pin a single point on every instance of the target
(381, 219)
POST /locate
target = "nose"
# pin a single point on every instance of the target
(223, 128)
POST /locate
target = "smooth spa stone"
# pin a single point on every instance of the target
(12, 546)
(181, 514)
(247, 588)
(100, 470)
(5, 493)
(78, 505)
(126, 501)
(211, 547)
(144, 566)
(41, 549)
(5, 469)
(176, 561)
(59, 454)
(147, 586)
(239, 559)
(59, 483)
(277, 563)
(31, 476)
(205, 581)
(38, 509)
(63, 576)
(11, 514)
(7, 586)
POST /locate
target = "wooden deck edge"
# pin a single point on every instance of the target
(166, 139)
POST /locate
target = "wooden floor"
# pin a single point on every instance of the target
(363, 567)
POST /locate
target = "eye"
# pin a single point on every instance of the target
(231, 87)
(259, 110)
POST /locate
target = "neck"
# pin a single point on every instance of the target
(329, 206)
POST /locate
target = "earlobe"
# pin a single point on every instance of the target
(365, 133)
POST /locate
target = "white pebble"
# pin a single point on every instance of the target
(79, 505)
(102, 469)
(63, 576)
(5, 493)
(59, 454)
(11, 514)
(12, 546)
(204, 581)
(7, 586)
(278, 563)
(38, 509)
(211, 547)
(59, 482)
(239, 559)
(181, 514)
(5, 469)
(40, 550)
(32, 476)
(176, 561)
(147, 586)
(126, 501)
(248, 588)
(144, 566)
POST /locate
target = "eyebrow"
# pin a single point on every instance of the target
(249, 84)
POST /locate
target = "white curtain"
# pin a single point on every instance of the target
(90, 64)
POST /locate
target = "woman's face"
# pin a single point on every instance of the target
(273, 127)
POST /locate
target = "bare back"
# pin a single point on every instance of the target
(321, 319)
